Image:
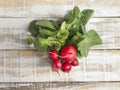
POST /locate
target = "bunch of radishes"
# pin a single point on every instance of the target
(67, 38)
(64, 59)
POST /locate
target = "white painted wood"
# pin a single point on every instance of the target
(61, 86)
(32, 66)
(60, 11)
(13, 32)
(92, 86)
(53, 8)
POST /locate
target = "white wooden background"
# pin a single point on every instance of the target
(22, 63)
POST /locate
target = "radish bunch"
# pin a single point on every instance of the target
(64, 38)
(65, 59)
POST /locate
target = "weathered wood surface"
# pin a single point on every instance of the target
(13, 32)
(21, 63)
(61, 86)
(32, 66)
(57, 8)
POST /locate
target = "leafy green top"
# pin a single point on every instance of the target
(47, 34)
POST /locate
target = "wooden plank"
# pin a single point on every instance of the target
(13, 35)
(61, 86)
(32, 66)
(12, 3)
(57, 8)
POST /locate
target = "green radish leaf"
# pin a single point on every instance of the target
(73, 27)
(46, 24)
(79, 55)
(29, 41)
(83, 47)
(75, 39)
(74, 13)
(63, 32)
(45, 32)
(54, 43)
(33, 29)
(41, 44)
(86, 15)
(91, 38)
(82, 29)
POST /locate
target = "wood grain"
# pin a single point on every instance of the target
(13, 35)
(56, 8)
(20, 63)
(61, 86)
(32, 66)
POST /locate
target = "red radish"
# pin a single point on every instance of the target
(53, 54)
(66, 67)
(75, 63)
(68, 53)
(57, 65)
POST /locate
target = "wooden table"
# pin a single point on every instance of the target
(23, 68)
